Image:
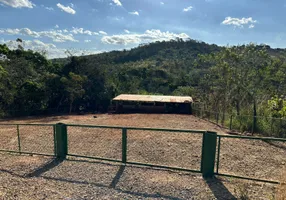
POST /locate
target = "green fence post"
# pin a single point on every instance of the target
(218, 154)
(208, 154)
(61, 141)
(19, 141)
(280, 125)
(253, 124)
(124, 145)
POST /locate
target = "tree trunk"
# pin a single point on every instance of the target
(237, 107)
(60, 103)
(223, 110)
(254, 117)
(71, 107)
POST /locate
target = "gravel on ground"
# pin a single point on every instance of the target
(40, 177)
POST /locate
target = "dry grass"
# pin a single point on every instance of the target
(281, 190)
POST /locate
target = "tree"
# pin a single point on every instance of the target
(73, 85)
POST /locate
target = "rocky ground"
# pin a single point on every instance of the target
(40, 177)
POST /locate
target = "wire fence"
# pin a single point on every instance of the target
(27, 138)
(95, 142)
(176, 149)
(180, 149)
(266, 126)
(258, 158)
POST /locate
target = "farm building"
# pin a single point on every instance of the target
(152, 103)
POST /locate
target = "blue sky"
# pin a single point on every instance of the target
(92, 26)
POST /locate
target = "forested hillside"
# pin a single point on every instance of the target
(248, 79)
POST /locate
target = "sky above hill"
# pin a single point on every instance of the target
(93, 26)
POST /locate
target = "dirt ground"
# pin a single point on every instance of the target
(39, 177)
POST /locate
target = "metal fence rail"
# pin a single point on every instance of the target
(267, 126)
(243, 141)
(105, 143)
(125, 144)
(37, 139)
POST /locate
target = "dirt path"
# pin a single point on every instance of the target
(239, 157)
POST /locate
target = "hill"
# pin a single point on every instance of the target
(224, 79)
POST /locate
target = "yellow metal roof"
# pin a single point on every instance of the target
(153, 98)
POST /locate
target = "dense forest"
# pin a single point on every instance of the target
(245, 80)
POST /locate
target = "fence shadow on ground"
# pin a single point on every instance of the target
(112, 185)
(10, 172)
(44, 168)
(116, 179)
(216, 186)
(219, 190)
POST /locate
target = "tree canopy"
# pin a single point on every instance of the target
(238, 79)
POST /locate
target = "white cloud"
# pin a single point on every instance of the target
(126, 31)
(117, 2)
(188, 8)
(115, 18)
(82, 31)
(148, 36)
(57, 26)
(251, 26)
(49, 8)
(26, 31)
(134, 13)
(52, 51)
(18, 3)
(236, 22)
(23, 31)
(162, 3)
(87, 41)
(55, 35)
(35, 45)
(66, 9)
(102, 32)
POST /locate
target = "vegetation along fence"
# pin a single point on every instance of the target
(118, 144)
(267, 126)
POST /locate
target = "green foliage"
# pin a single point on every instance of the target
(277, 106)
(73, 86)
(231, 80)
(184, 91)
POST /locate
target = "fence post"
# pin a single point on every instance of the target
(208, 154)
(254, 121)
(280, 125)
(19, 141)
(124, 145)
(61, 141)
